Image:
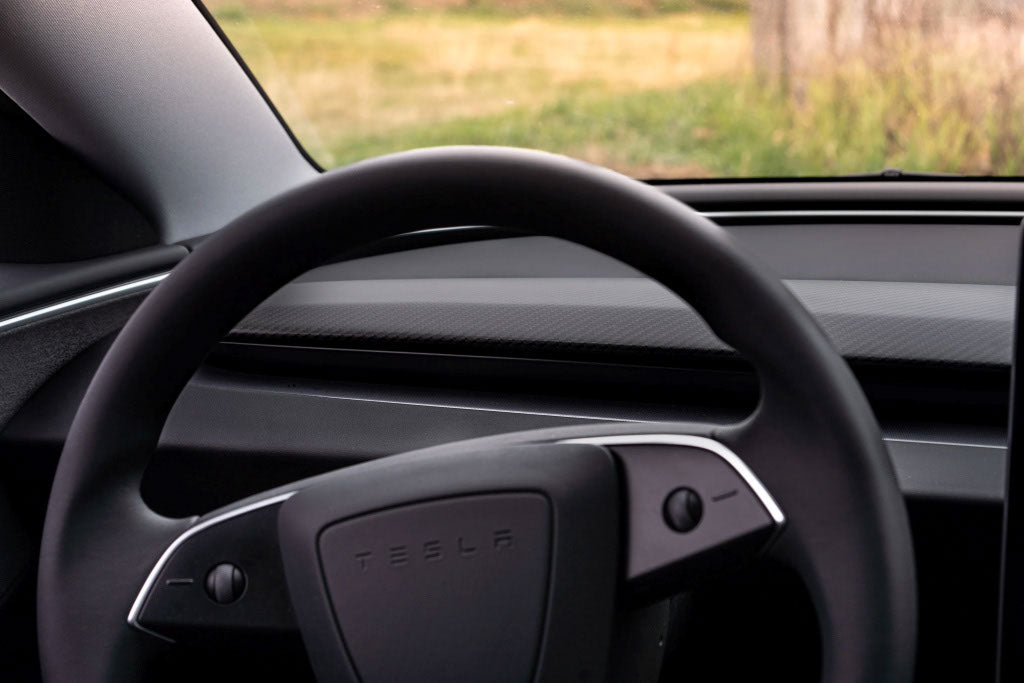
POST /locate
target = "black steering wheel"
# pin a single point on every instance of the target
(500, 559)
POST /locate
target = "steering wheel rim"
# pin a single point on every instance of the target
(813, 423)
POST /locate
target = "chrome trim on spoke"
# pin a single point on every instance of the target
(147, 586)
(92, 297)
(705, 444)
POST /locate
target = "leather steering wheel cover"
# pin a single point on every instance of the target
(100, 539)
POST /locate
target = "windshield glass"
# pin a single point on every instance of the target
(652, 88)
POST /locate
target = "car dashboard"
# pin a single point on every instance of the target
(457, 333)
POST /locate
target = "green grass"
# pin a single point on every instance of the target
(235, 10)
(636, 8)
(715, 128)
(378, 83)
(704, 129)
(652, 94)
(712, 128)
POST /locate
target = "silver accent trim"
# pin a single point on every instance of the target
(868, 213)
(946, 443)
(570, 416)
(705, 444)
(449, 406)
(78, 301)
(147, 586)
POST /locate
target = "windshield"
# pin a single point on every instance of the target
(652, 88)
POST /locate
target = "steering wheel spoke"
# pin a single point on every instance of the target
(693, 510)
(221, 578)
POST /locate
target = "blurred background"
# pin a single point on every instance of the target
(653, 88)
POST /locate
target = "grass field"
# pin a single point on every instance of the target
(650, 92)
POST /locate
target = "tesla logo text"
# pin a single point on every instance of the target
(436, 550)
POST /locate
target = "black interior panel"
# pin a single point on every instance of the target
(27, 285)
(234, 433)
(883, 251)
(982, 254)
(30, 354)
(54, 207)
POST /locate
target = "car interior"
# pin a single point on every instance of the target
(478, 412)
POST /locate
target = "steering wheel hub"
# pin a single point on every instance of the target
(442, 589)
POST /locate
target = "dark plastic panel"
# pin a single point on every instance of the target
(55, 207)
(872, 249)
(225, 420)
(25, 286)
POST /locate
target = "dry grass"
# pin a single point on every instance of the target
(652, 95)
(350, 8)
(942, 100)
(362, 76)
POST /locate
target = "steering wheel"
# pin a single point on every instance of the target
(505, 558)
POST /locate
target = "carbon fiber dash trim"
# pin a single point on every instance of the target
(905, 321)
